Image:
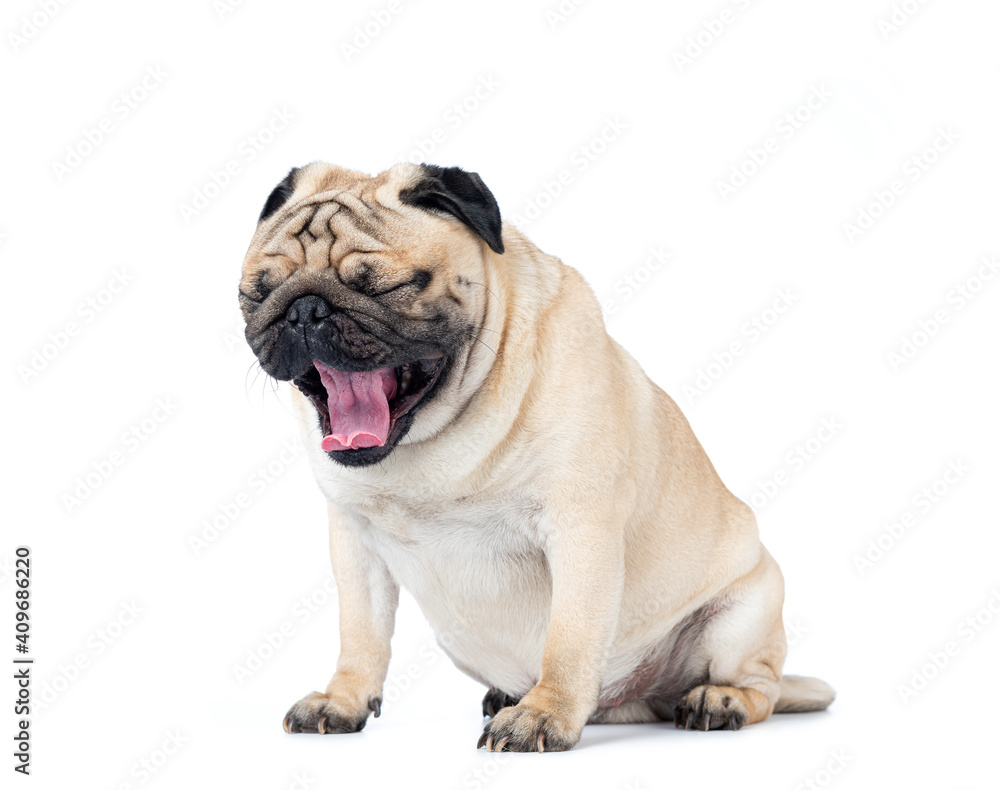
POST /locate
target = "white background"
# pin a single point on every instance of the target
(71, 217)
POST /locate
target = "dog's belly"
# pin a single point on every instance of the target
(483, 584)
(481, 578)
(664, 670)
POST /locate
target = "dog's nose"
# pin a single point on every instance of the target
(309, 309)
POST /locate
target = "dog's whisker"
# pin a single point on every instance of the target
(249, 387)
(478, 340)
(483, 285)
(247, 384)
(269, 385)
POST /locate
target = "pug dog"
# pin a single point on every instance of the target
(485, 444)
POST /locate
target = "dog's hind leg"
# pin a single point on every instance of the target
(740, 655)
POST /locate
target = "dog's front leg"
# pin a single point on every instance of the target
(586, 560)
(368, 597)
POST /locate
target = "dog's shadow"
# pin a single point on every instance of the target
(599, 735)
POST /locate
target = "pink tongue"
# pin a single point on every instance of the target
(359, 407)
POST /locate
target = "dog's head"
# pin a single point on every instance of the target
(367, 293)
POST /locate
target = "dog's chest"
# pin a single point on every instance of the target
(426, 544)
(478, 572)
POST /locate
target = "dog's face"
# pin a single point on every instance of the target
(368, 293)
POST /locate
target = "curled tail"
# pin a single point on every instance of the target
(801, 694)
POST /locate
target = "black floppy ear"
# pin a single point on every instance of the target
(461, 194)
(279, 195)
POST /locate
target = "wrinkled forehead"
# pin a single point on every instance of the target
(359, 192)
(322, 214)
(323, 202)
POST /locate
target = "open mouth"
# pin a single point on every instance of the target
(361, 410)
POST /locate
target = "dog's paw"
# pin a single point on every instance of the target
(711, 708)
(320, 713)
(525, 728)
(496, 700)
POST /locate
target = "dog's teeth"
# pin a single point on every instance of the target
(404, 381)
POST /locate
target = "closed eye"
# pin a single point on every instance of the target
(420, 280)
